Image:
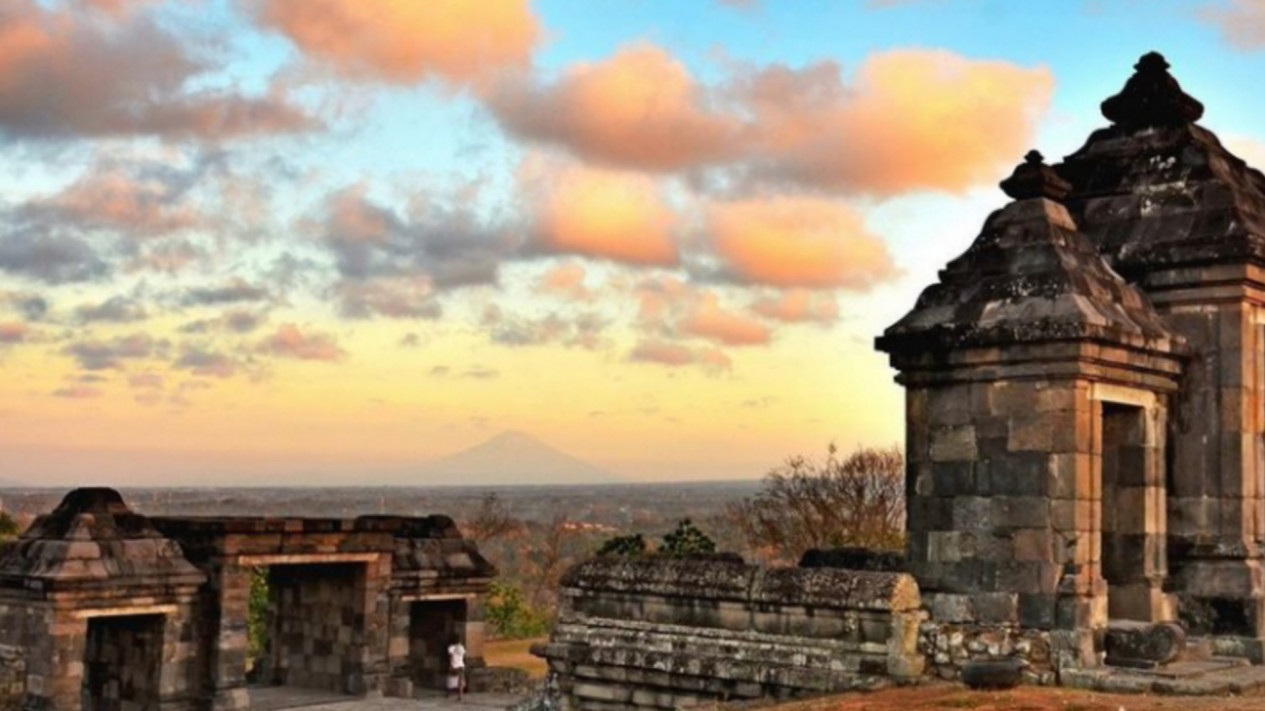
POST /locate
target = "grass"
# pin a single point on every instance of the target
(515, 653)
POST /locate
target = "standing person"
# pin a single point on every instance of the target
(457, 667)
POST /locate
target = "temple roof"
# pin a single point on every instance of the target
(92, 538)
(1155, 189)
(1029, 276)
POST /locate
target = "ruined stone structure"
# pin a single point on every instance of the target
(1083, 389)
(668, 633)
(106, 610)
(1085, 483)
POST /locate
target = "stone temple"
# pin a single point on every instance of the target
(1085, 481)
(103, 609)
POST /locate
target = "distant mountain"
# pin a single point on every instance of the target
(511, 458)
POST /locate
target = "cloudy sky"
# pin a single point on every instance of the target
(310, 241)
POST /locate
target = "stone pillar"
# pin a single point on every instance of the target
(229, 592)
(399, 669)
(373, 605)
(1216, 510)
(177, 682)
(58, 662)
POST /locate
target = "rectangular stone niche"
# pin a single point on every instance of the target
(122, 663)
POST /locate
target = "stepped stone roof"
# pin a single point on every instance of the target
(1030, 276)
(92, 538)
(1156, 190)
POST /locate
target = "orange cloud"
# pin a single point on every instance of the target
(798, 242)
(113, 199)
(118, 8)
(566, 279)
(1242, 22)
(618, 216)
(290, 342)
(708, 319)
(677, 355)
(797, 306)
(463, 42)
(62, 73)
(639, 108)
(12, 332)
(914, 118)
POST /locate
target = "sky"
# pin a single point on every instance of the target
(325, 241)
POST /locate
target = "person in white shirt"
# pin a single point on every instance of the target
(457, 667)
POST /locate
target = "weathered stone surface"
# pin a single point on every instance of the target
(655, 631)
(1142, 645)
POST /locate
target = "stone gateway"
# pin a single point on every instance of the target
(103, 609)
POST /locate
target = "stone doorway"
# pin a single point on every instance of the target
(314, 629)
(432, 625)
(1132, 515)
(122, 663)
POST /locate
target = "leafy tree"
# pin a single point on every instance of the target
(858, 500)
(686, 539)
(630, 546)
(9, 528)
(257, 616)
(511, 616)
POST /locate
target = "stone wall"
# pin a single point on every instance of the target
(317, 637)
(12, 678)
(662, 633)
(948, 648)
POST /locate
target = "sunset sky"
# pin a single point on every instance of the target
(324, 241)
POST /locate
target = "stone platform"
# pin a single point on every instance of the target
(1213, 677)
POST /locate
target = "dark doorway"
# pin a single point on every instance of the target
(122, 663)
(1133, 556)
(432, 625)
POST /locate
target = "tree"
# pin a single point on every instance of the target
(855, 501)
(491, 520)
(257, 616)
(510, 615)
(9, 528)
(686, 539)
(630, 546)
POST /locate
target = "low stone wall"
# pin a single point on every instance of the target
(12, 678)
(948, 647)
(664, 633)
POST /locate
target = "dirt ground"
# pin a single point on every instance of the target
(514, 653)
(946, 696)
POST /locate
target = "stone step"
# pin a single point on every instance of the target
(1216, 677)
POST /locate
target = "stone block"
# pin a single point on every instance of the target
(953, 443)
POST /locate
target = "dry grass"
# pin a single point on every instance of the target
(514, 653)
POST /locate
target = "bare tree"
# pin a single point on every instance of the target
(549, 558)
(491, 520)
(855, 501)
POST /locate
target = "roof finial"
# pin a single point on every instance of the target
(1152, 97)
(1034, 179)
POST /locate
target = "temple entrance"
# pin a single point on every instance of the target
(307, 625)
(432, 625)
(1132, 515)
(122, 663)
